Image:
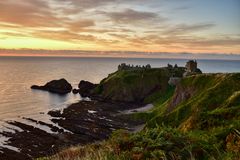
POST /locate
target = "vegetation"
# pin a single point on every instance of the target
(199, 119)
(136, 85)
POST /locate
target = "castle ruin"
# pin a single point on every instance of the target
(124, 66)
(191, 66)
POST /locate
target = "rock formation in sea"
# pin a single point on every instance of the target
(75, 91)
(85, 88)
(60, 86)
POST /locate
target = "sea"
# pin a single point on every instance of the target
(17, 74)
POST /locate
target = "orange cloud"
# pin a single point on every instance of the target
(27, 13)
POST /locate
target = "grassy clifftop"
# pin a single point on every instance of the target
(199, 99)
(199, 119)
(136, 85)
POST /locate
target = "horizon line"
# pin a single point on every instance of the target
(118, 51)
(116, 57)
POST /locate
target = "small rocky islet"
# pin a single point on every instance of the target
(129, 88)
(61, 86)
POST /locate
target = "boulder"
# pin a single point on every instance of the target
(60, 86)
(85, 88)
(75, 91)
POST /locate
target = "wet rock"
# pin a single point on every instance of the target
(52, 127)
(73, 126)
(54, 113)
(7, 154)
(60, 86)
(85, 88)
(75, 91)
(33, 142)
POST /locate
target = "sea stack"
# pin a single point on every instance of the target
(60, 86)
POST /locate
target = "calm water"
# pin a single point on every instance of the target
(17, 74)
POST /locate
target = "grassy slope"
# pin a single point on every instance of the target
(216, 97)
(205, 125)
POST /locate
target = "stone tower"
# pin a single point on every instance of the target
(191, 66)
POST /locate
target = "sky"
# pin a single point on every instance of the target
(177, 26)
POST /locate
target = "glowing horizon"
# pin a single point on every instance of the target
(121, 25)
(114, 54)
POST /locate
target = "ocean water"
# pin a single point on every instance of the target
(17, 74)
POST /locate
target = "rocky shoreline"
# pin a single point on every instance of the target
(79, 124)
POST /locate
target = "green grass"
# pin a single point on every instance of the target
(158, 98)
(152, 143)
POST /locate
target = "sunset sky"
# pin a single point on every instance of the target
(196, 26)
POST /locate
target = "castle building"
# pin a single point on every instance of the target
(191, 66)
(124, 66)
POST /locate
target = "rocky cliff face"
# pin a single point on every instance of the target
(181, 94)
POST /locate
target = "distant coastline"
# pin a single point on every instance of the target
(117, 54)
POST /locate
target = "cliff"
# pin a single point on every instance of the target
(136, 85)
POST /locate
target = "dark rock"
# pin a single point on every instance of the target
(56, 86)
(75, 91)
(52, 127)
(37, 87)
(7, 154)
(55, 113)
(85, 88)
(84, 126)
